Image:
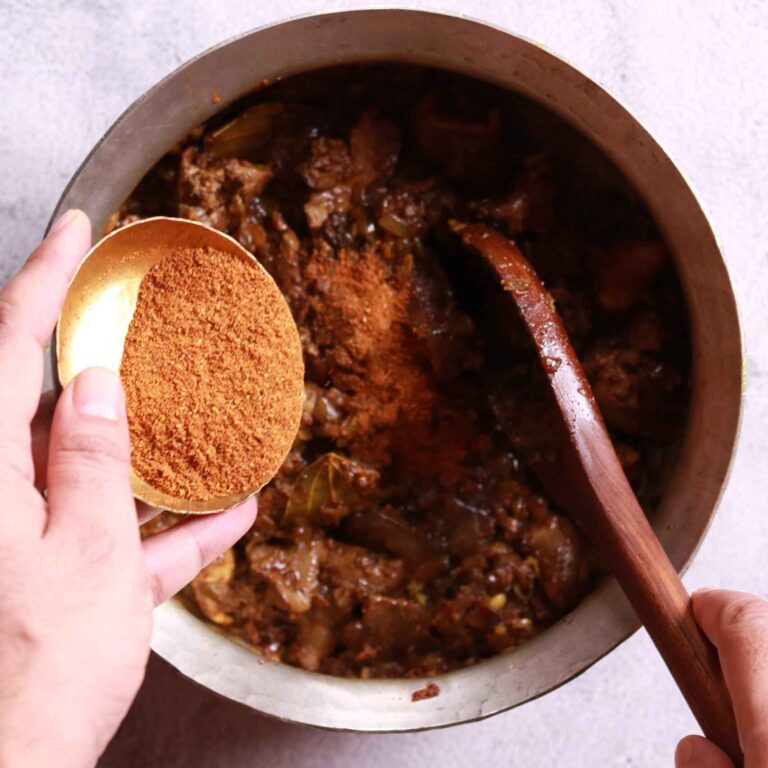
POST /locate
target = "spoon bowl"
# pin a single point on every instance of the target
(100, 304)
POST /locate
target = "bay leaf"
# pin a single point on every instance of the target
(325, 491)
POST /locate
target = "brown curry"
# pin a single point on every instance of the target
(405, 534)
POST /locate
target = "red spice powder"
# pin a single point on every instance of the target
(399, 414)
(213, 375)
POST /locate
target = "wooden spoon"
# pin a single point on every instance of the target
(589, 482)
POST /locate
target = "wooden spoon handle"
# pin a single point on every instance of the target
(591, 484)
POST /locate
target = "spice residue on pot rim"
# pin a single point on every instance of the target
(213, 374)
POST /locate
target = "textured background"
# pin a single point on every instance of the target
(693, 71)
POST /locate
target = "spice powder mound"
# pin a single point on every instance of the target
(213, 375)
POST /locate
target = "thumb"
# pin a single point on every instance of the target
(698, 752)
(89, 475)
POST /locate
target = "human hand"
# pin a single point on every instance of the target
(737, 624)
(77, 585)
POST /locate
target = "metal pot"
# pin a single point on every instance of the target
(603, 620)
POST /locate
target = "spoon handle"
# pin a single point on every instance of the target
(599, 496)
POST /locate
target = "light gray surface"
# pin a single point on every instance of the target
(693, 72)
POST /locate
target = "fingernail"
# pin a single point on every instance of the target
(98, 393)
(64, 220)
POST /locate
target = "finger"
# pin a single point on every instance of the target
(737, 623)
(29, 306)
(89, 481)
(32, 300)
(41, 432)
(698, 752)
(174, 557)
